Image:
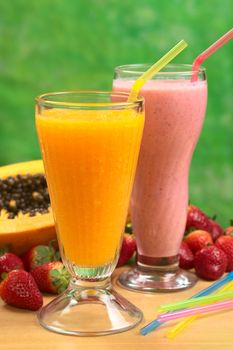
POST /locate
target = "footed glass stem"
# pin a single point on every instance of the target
(89, 309)
(157, 275)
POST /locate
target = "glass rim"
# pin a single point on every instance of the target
(45, 99)
(185, 69)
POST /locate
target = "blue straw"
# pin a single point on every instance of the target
(213, 287)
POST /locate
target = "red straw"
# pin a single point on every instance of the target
(205, 54)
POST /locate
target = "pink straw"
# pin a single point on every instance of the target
(205, 54)
(168, 316)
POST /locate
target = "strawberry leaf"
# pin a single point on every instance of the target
(42, 250)
(62, 288)
(191, 229)
(129, 228)
(57, 256)
(56, 282)
(53, 245)
(54, 273)
(5, 249)
(4, 275)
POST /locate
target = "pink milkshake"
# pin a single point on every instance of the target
(175, 109)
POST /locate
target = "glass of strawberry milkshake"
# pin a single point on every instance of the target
(175, 108)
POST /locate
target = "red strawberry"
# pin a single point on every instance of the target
(51, 277)
(19, 289)
(9, 262)
(197, 219)
(210, 263)
(215, 229)
(196, 240)
(39, 255)
(186, 256)
(128, 248)
(229, 230)
(226, 244)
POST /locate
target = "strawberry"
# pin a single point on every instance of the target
(215, 229)
(19, 289)
(9, 262)
(210, 262)
(196, 240)
(39, 255)
(226, 244)
(197, 219)
(229, 230)
(128, 248)
(51, 277)
(186, 256)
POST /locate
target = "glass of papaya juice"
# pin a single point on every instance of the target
(89, 143)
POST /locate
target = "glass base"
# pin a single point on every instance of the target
(163, 275)
(90, 309)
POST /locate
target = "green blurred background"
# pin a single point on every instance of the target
(50, 45)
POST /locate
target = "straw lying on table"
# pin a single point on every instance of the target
(168, 316)
(180, 326)
(196, 301)
(212, 288)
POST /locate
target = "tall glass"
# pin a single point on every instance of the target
(174, 114)
(90, 143)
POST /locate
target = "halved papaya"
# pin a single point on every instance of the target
(25, 213)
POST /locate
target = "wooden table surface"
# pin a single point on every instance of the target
(19, 329)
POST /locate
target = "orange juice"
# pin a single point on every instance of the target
(90, 158)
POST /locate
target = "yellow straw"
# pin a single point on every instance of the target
(155, 69)
(172, 333)
(204, 300)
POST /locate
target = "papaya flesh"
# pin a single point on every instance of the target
(26, 217)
